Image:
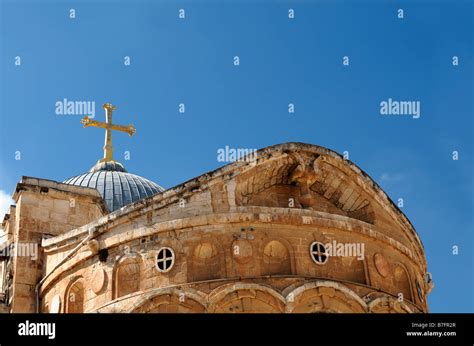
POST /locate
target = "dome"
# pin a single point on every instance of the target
(117, 187)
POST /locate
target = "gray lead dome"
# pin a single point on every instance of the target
(117, 187)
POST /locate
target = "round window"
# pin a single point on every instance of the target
(318, 252)
(165, 259)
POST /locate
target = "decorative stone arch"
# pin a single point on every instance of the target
(277, 257)
(74, 297)
(403, 281)
(245, 297)
(206, 261)
(171, 300)
(388, 304)
(126, 275)
(358, 269)
(242, 259)
(324, 296)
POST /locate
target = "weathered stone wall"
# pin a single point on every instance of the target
(43, 208)
(275, 255)
(239, 239)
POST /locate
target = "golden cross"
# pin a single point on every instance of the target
(109, 127)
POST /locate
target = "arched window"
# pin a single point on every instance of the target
(419, 290)
(403, 284)
(206, 262)
(127, 276)
(276, 259)
(75, 297)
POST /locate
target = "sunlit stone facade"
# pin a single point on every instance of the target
(253, 236)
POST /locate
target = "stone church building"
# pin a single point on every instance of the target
(296, 229)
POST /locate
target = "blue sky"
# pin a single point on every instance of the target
(282, 61)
